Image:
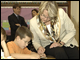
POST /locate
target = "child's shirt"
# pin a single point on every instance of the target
(13, 48)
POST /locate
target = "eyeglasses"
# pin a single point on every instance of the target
(26, 42)
(45, 16)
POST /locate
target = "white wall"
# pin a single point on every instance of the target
(75, 17)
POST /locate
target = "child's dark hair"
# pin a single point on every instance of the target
(23, 31)
(3, 32)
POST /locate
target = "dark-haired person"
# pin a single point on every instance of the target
(18, 49)
(15, 20)
(34, 12)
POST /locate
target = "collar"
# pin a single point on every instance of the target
(15, 14)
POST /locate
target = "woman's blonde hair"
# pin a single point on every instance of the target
(51, 7)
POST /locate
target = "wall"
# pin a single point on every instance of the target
(6, 11)
(75, 17)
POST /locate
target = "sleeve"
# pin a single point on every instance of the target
(10, 48)
(24, 23)
(27, 51)
(12, 23)
(69, 26)
(35, 41)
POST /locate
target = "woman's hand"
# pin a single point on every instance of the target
(55, 44)
(41, 50)
(62, 43)
(42, 55)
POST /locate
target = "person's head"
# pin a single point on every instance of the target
(3, 34)
(34, 12)
(16, 9)
(48, 10)
(23, 36)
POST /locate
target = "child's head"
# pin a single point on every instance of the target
(3, 34)
(23, 36)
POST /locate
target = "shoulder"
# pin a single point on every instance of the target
(10, 43)
(21, 17)
(33, 19)
(61, 12)
(11, 15)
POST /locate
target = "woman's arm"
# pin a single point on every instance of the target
(35, 40)
(69, 27)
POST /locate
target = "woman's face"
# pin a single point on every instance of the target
(44, 16)
(34, 13)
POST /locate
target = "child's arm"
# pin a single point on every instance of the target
(35, 55)
(4, 46)
(25, 56)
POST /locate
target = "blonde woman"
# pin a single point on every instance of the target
(54, 32)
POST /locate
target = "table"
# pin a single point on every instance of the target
(10, 57)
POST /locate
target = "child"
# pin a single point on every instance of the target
(3, 43)
(18, 49)
(5, 51)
